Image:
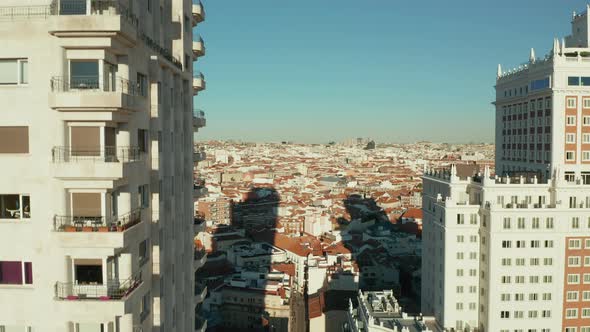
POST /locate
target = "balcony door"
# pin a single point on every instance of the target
(73, 7)
(84, 75)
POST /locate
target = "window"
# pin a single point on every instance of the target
(459, 306)
(573, 261)
(144, 252)
(15, 206)
(506, 261)
(586, 138)
(572, 296)
(459, 289)
(460, 219)
(83, 74)
(14, 139)
(459, 255)
(143, 140)
(570, 120)
(473, 219)
(570, 138)
(574, 244)
(548, 261)
(520, 261)
(15, 272)
(460, 238)
(585, 295)
(573, 81)
(586, 119)
(535, 244)
(549, 223)
(585, 155)
(14, 71)
(570, 155)
(533, 297)
(505, 297)
(571, 313)
(504, 314)
(506, 223)
(571, 102)
(520, 223)
(505, 279)
(587, 278)
(535, 223)
(142, 84)
(573, 278)
(506, 244)
(546, 296)
(575, 222)
(144, 196)
(145, 305)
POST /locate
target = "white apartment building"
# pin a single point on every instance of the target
(511, 252)
(96, 152)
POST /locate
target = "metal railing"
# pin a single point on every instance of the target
(97, 224)
(166, 53)
(70, 7)
(113, 290)
(109, 154)
(93, 84)
(17, 12)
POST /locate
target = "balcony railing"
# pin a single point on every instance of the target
(97, 7)
(93, 84)
(97, 224)
(17, 12)
(166, 53)
(70, 7)
(109, 154)
(113, 290)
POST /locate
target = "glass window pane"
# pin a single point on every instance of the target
(84, 74)
(573, 81)
(586, 81)
(8, 72)
(11, 273)
(9, 206)
(24, 72)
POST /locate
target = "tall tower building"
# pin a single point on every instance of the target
(511, 252)
(96, 152)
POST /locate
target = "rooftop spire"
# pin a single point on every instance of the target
(555, 46)
(532, 57)
(499, 74)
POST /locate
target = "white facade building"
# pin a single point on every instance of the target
(96, 148)
(512, 252)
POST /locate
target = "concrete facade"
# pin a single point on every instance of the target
(97, 209)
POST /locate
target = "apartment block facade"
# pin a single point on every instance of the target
(96, 152)
(508, 252)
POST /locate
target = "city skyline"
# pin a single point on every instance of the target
(339, 71)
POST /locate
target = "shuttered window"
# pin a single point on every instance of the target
(14, 139)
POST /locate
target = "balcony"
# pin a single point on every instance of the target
(199, 83)
(198, 48)
(114, 290)
(96, 18)
(199, 120)
(198, 13)
(101, 163)
(199, 224)
(200, 324)
(200, 293)
(92, 93)
(103, 232)
(200, 258)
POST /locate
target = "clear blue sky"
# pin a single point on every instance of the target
(396, 71)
